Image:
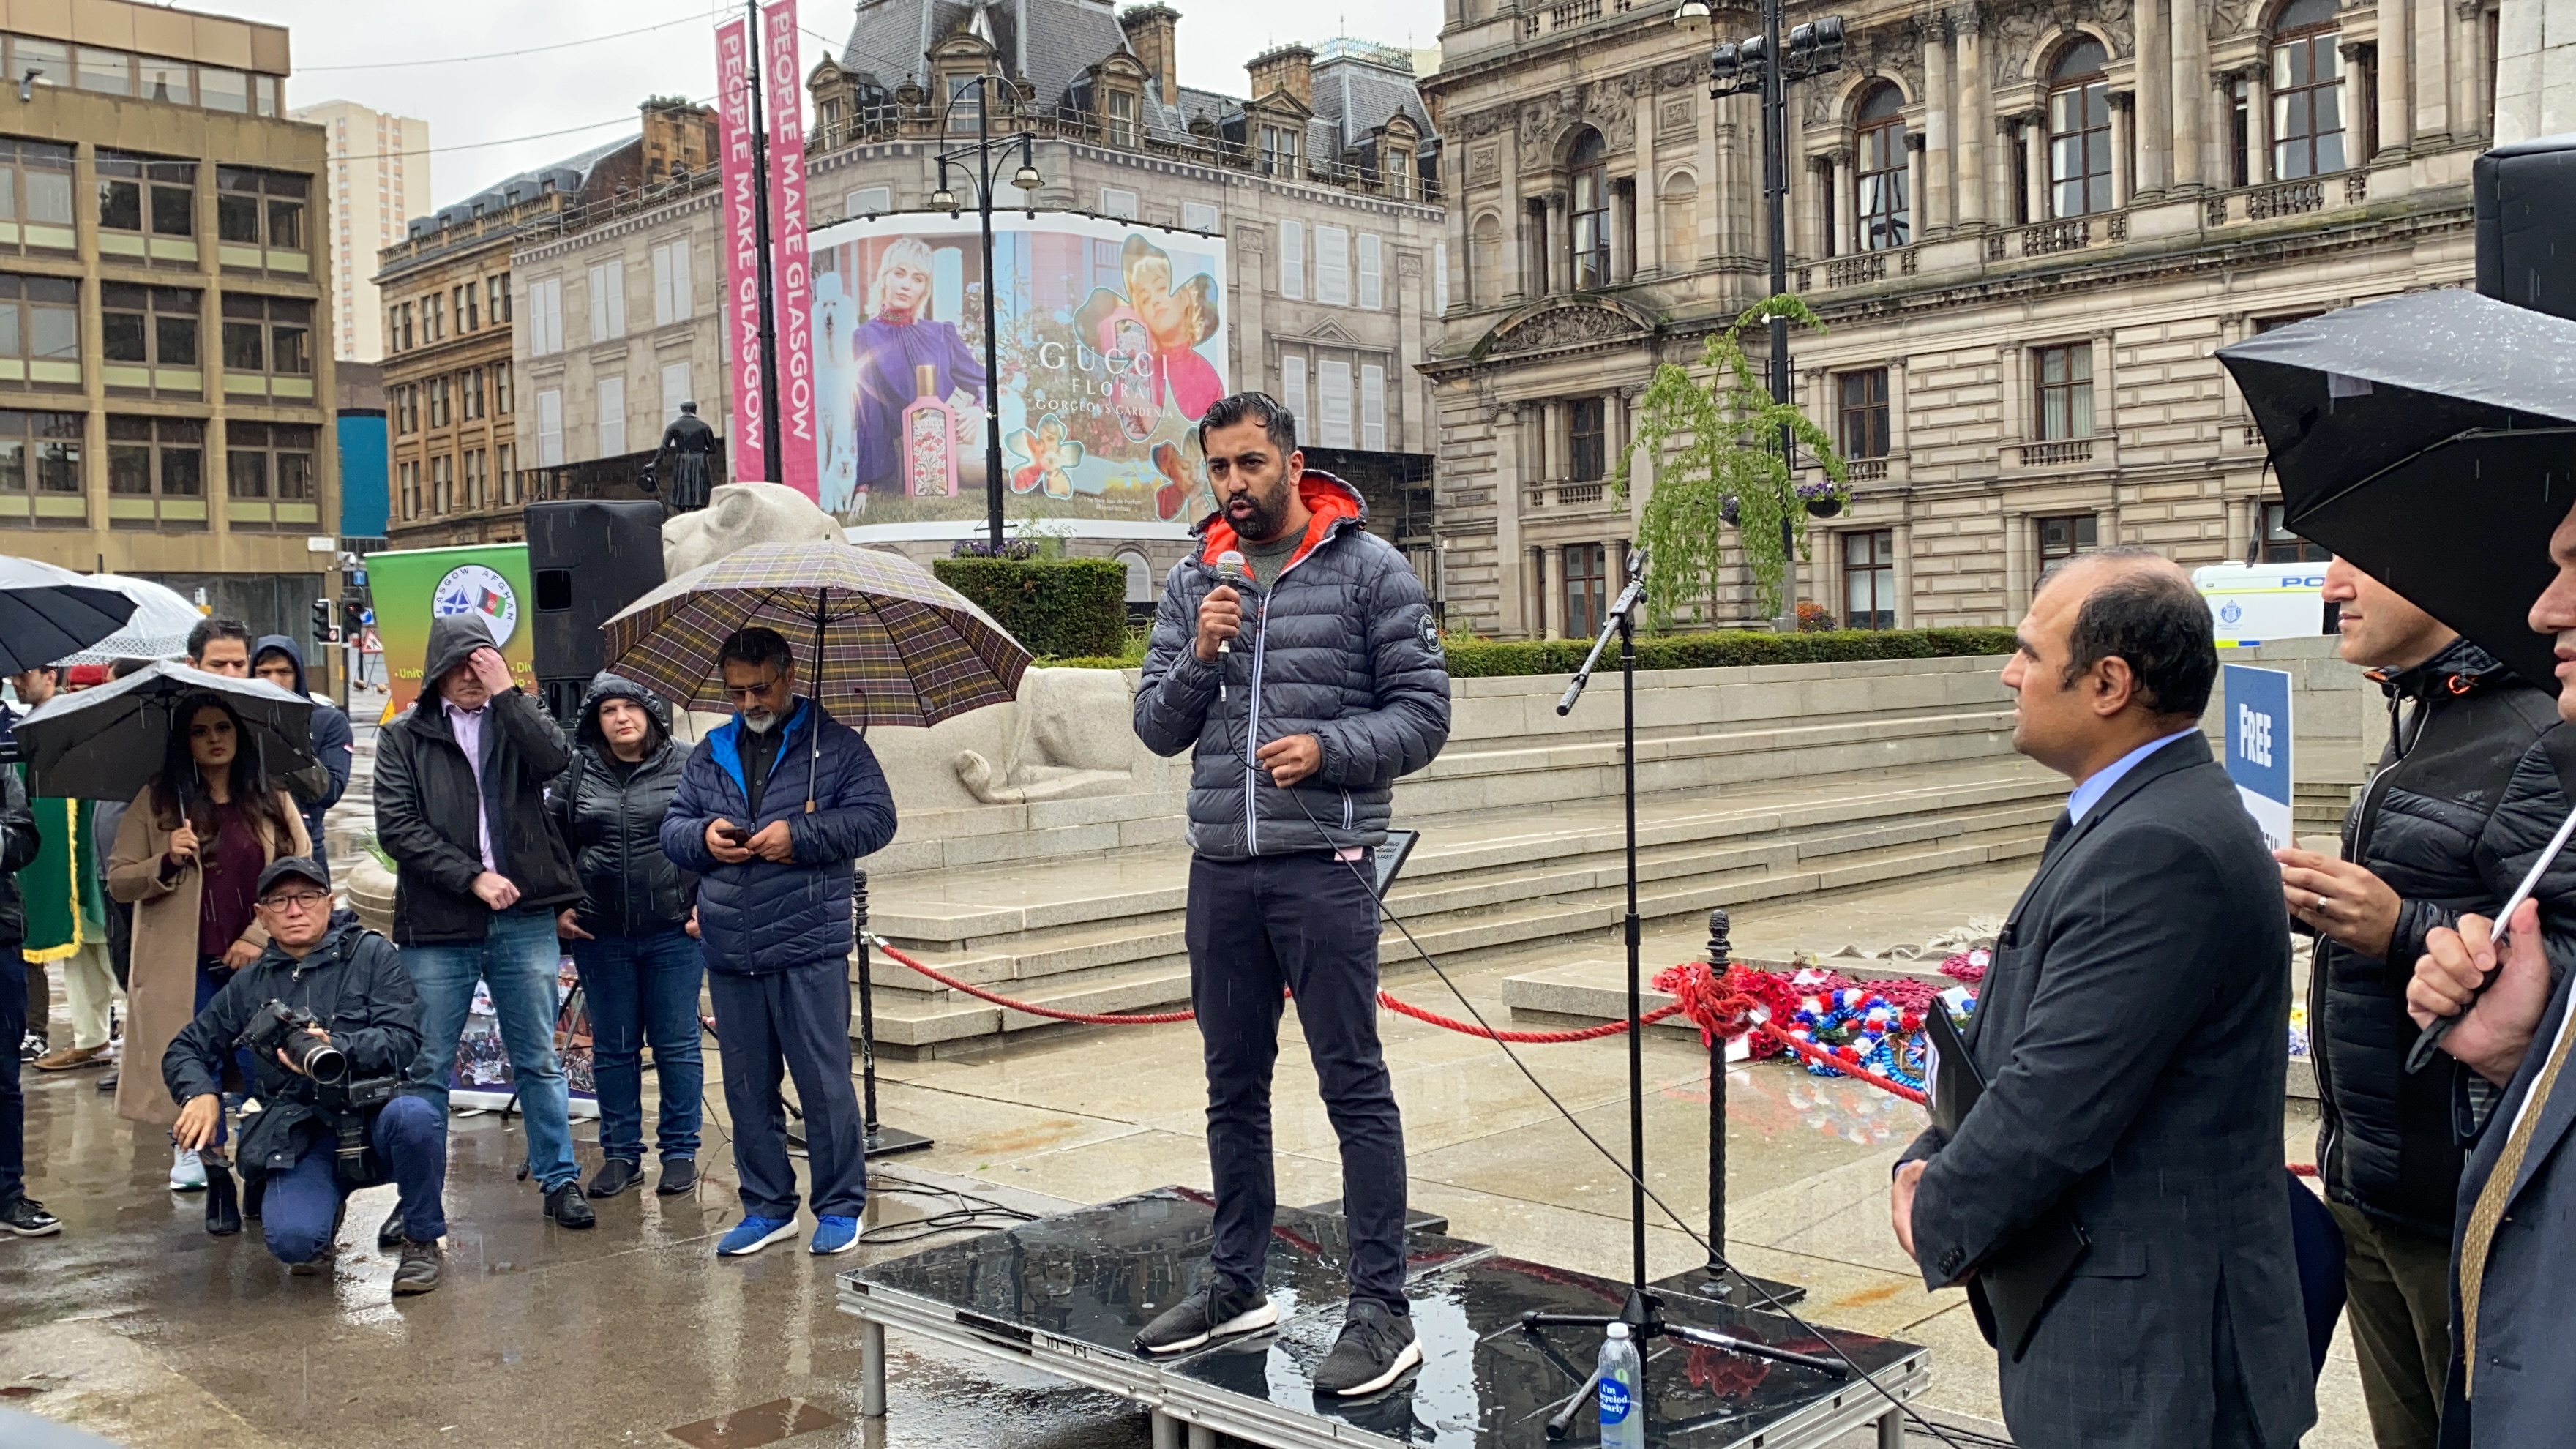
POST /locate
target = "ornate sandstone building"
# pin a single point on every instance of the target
(2027, 225)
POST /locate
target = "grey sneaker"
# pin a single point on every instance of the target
(1376, 1348)
(421, 1267)
(1219, 1310)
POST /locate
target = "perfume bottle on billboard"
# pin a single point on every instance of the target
(929, 438)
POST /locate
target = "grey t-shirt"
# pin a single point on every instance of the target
(1264, 560)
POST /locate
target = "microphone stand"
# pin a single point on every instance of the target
(1644, 1311)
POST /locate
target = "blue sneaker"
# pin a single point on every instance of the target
(753, 1234)
(834, 1235)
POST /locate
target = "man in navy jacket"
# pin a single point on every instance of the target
(771, 811)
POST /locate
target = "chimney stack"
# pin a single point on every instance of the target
(677, 137)
(1152, 32)
(1289, 68)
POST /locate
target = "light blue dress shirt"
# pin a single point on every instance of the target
(2090, 793)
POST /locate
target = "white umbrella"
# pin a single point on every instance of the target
(158, 629)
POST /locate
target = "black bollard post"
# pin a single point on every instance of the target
(1728, 1286)
(881, 1140)
(1720, 952)
(867, 1008)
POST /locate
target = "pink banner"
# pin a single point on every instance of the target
(791, 282)
(742, 249)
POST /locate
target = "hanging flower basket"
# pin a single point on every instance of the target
(1822, 498)
(1825, 507)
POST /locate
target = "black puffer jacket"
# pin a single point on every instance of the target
(1340, 646)
(2465, 799)
(18, 845)
(425, 803)
(610, 816)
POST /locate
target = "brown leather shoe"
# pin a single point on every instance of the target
(71, 1058)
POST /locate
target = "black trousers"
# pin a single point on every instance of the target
(1305, 922)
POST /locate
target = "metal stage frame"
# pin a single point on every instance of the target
(1064, 1295)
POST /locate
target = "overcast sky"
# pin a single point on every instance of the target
(597, 83)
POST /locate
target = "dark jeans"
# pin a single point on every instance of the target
(302, 1204)
(644, 989)
(1305, 922)
(13, 1102)
(797, 1020)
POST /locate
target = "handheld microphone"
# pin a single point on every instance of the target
(1229, 568)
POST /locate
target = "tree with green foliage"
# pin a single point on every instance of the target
(1717, 452)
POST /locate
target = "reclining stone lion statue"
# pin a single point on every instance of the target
(1075, 737)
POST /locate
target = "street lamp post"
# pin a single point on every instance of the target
(980, 161)
(1747, 68)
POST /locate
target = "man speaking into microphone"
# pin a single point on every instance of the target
(1297, 656)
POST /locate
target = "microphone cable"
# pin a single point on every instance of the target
(1714, 1254)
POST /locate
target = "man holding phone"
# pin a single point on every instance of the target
(771, 812)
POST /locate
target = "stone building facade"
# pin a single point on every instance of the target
(495, 370)
(1323, 179)
(2026, 226)
(165, 308)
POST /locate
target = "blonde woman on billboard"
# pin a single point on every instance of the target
(891, 349)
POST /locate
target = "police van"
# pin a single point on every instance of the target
(2249, 603)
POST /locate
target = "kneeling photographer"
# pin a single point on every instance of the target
(330, 1020)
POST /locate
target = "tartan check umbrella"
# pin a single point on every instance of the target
(877, 639)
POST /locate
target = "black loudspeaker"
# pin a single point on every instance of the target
(2526, 219)
(587, 559)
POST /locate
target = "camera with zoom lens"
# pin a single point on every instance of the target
(278, 1027)
(350, 1107)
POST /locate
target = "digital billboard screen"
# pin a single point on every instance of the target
(1111, 343)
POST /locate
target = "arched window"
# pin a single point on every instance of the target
(2307, 91)
(1589, 169)
(2079, 131)
(1885, 221)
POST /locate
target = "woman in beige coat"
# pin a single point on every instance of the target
(188, 859)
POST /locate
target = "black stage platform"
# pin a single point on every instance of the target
(1067, 1294)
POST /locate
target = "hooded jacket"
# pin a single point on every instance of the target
(610, 816)
(2464, 800)
(762, 916)
(1341, 646)
(426, 803)
(354, 982)
(18, 843)
(314, 790)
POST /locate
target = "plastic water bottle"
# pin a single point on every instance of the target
(1623, 1412)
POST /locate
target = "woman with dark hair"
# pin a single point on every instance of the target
(187, 857)
(633, 932)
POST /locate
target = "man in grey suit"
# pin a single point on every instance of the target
(2129, 1032)
(2513, 1257)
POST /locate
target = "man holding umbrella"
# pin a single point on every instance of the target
(2514, 1272)
(771, 811)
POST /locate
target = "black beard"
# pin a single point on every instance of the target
(1267, 517)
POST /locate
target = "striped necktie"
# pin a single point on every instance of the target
(2488, 1212)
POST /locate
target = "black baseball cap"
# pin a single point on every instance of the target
(303, 867)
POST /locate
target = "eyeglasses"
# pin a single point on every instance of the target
(753, 691)
(296, 901)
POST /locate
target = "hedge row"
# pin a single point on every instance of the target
(1488, 658)
(1061, 607)
(1485, 658)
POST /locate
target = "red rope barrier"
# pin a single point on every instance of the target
(1718, 1006)
(1532, 1038)
(979, 993)
(1169, 1018)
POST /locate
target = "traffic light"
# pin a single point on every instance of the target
(353, 612)
(324, 631)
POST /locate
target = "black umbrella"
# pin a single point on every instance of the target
(104, 743)
(2430, 439)
(48, 612)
